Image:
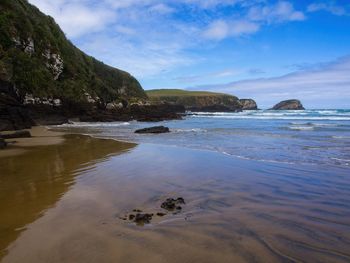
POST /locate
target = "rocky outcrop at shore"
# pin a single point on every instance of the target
(13, 114)
(16, 134)
(248, 104)
(3, 144)
(289, 105)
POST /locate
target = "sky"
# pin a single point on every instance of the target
(268, 50)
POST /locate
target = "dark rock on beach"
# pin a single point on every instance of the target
(156, 129)
(161, 214)
(141, 219)
(3, 144)
(289, 105)
(16, 134)
(248, 104)
(172, 204)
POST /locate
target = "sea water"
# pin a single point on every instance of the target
(315, 137)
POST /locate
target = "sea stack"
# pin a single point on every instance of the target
(248, 104)
(289, 105)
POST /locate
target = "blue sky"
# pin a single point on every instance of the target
(263, 49)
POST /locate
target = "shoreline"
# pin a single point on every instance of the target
(41, 136)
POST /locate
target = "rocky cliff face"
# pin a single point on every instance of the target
(13, 115)
(248, 104)
(197, 101)
(210, 103)
(289, 105)
(45, 79)
(46, 67)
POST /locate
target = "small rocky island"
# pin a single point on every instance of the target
(289, 105)
(248, 104)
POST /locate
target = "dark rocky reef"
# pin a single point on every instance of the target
(248, 104)
(14, 115)
(156, 129)
(216, 108)
(16, 134)
(3, 144)
(144, 113)
(289, 105)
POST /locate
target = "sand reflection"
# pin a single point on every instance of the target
(34, 181)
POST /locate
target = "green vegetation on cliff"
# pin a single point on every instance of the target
(37, 57)
(179, 92)
(195, 100)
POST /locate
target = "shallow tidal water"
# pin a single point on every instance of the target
(62, 203)
(315, 137)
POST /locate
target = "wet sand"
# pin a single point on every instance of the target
(41, 136)
(62, 203)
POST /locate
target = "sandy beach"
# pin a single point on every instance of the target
(41, 136)
(63, 200)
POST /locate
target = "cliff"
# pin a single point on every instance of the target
(47, 68)
(45, 79)
(196, 100)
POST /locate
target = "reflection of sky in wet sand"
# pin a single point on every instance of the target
(236, 211)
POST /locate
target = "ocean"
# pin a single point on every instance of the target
(312, 137)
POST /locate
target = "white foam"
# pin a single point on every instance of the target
(301, 128)
(325, 118)
(94, 124)
(341, 137)
(283, 115)
(190, 130)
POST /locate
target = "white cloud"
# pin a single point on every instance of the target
(282, 11)
(212, 3)
(140, 59)
(325, 86)
(217, 30)
(221, 29)
(257, 16)
(212, 75)
(77, 18)
(119, 4)
(161, 9)
(328, 7)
